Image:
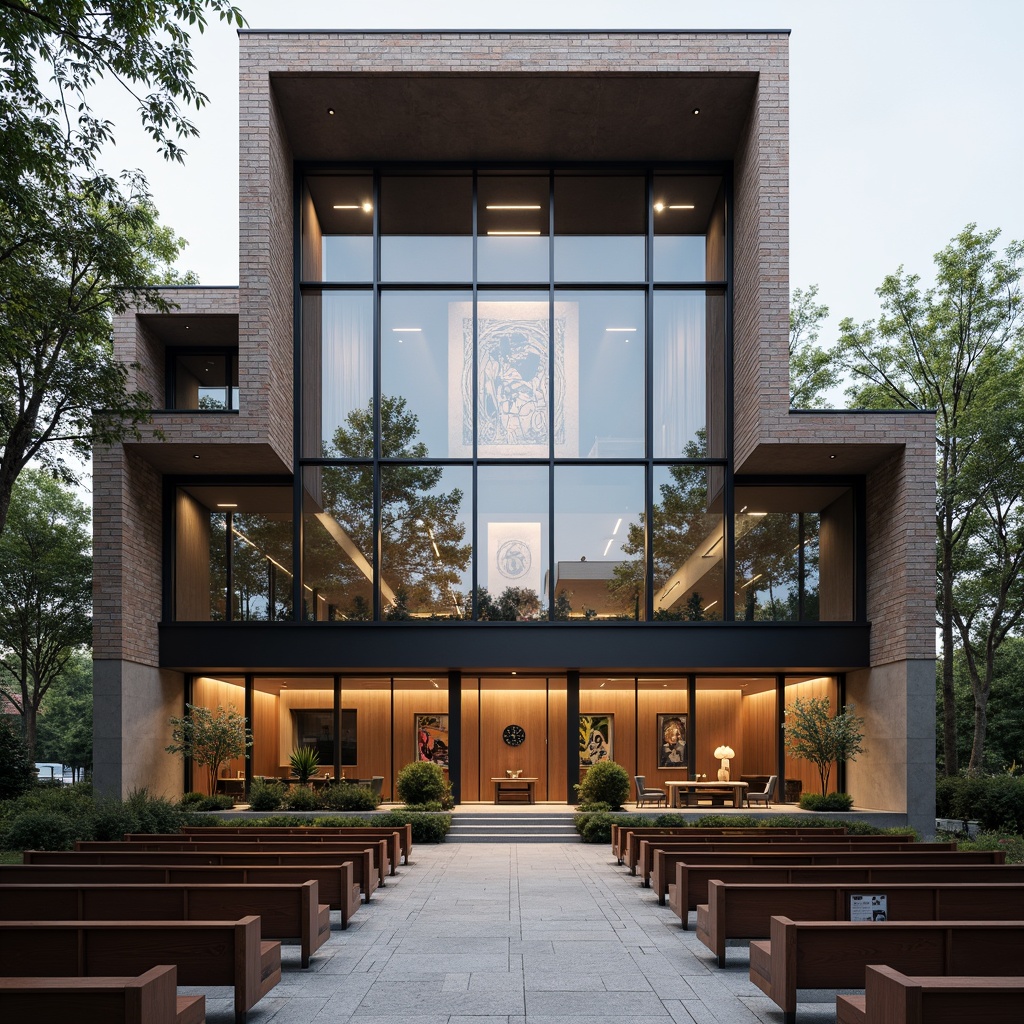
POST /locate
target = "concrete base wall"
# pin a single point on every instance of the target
(897, 770)
(133, 705)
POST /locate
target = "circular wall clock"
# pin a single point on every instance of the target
(513, 735)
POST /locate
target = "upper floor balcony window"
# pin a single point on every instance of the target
(203, 379)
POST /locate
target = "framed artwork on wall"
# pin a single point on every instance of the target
(431, 738)
(595, 739)
(671, 741)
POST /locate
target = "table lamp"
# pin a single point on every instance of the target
(724, 752)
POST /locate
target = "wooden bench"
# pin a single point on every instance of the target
(626, 840)
(894, 998)
(205, 952)
(404, 833)
(377, 847)
(745, 911)
(665, 861)
(836, 954)
(335, 881)
(364, 874)
(692, 880)
(291, 914)
(150, 998)
(649, 847)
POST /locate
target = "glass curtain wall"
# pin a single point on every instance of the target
(504, 373)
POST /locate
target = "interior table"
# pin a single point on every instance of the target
(688, 790)
(515, 791)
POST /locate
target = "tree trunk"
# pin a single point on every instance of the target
(949, 752)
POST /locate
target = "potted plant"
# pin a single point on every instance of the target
(305, 762)
(815, 735)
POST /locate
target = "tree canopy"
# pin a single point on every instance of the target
(812, 369)
(958, 348)
(45, 592)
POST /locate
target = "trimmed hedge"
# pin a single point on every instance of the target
(826, 801)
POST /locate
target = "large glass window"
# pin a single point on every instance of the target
(205, 380)
(794, 554)
(337, 228)
(513, 228)
(426, 226)
(233, 553)
(689, 228)
(512, 535)
(594, 506)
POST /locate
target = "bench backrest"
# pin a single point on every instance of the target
(621, 833)
(310, 831)
(692, 879)
(149, 998)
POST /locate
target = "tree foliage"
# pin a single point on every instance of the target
(45, 592)
(210, 738)
(956, 348)
(16, 771)
(814, 734)
(812, 369)
(64, 727)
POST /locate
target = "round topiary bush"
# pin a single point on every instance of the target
(39, 830)
(826, 802)
(605, 782)
(265, 795)
(422, 782)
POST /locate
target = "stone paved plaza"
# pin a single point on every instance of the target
(514, 934)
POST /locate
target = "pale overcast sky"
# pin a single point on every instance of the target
(906, 122)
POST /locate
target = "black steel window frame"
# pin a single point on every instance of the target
(377, 287)
(230, 354)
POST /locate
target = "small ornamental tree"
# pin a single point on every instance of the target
(210, 738)
(813, 735)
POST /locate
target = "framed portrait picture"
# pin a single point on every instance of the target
(595, 739)
(671, 741)
(431, 738)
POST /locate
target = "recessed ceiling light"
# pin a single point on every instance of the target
(513, 232)
(621, 330)
(227, 504)
(831, 456)
(195, 456)
(330, 110)
(407, 330)
(495, 206)
(611, 540)
(515, 673)
(658, 207)
(367, 207)
(187, 328)
(347, 206)
(696, 110)
(681, 206)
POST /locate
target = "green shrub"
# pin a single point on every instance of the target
(727, 821)
(996, 802)
(596, 826)
(273, 821)
(670, 820)
(266, 795)
(426, 828)
(17, 774)
(155, 814)
(594, 808)
(336, 821)
(421, 782)
(201, 802)
(1011, 845)
(299, 798)
(39, 830)
(347, 796)
(112, 819)
(826, 802)
(605, 782)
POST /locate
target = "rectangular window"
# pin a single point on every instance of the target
(205, 380)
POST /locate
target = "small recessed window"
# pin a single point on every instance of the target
(205, 380)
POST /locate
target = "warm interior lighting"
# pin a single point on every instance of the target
(346, 206)
(658, 207)
(618, 523)
(513, 232)
(495, 206)
(227, 504)
(724, 752)
(711, 550)
(407, 330)
(712, 605)
(696, 110)
(682, 206)
(611, 540)
(753, 579)
(195, 456)
(330, 110)
(367, 207)
(621, 330)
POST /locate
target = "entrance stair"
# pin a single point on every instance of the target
(511, 827)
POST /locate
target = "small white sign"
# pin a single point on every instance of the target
(869, 907)
(514, 557)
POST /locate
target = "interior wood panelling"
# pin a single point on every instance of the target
(621, 705)
(502, 705)
(653, 702)
(312, 240)
(798, 768)
(191, 560)
(470, 747)
(212, 694)
(718, 722)
(757, 716)
(835, 562)
(409, 703)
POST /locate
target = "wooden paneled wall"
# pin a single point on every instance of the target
(797, 768)
(718, 722)
(757, 714)
(213, 693)
(191, 560)
(651, 703)
(835, 562)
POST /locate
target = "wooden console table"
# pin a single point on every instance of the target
(515, 791)
(695, 789)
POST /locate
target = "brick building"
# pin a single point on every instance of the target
(494, 431)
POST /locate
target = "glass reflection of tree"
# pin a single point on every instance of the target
(680, 524)
(768, 568)
(261, 574)
(422, 533)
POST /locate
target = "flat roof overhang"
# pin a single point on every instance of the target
(484, 117)
(496, 646)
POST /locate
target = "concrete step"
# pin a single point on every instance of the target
(512, 828)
